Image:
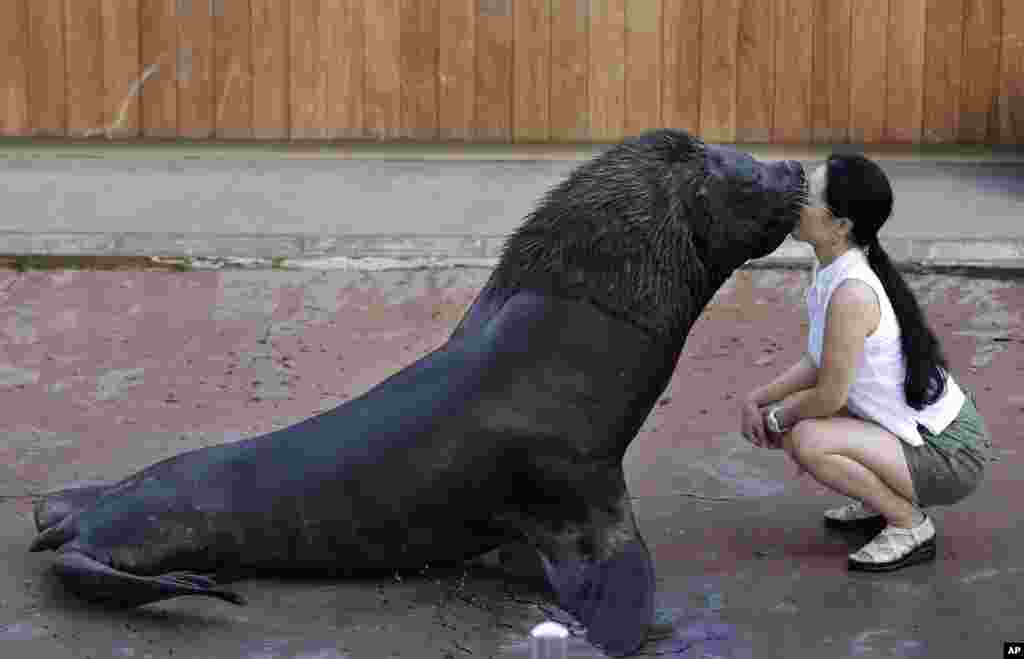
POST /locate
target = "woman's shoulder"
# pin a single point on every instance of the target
(858, 300)
(855, 291)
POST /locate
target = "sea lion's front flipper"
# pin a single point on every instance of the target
(603, 575)
(96, 582)
(613, 598)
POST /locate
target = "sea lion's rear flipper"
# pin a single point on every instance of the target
(96, 582)
(75, 497)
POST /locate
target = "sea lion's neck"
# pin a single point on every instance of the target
(702, 296)
(659, 287)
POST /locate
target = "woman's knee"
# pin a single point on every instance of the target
(794, 445)
(803, 439)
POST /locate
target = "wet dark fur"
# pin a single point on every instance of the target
(631, 232)
(617, 232)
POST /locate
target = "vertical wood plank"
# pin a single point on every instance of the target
(329, 50)
(720, 34)
(383, 68)
(982, 27)
(342, 55)
(1011, 89)
(195, 69)
(159, 44)
(232, 90)
(13, 75)
(643, 65)
(793, 55)
(868, 56)
(755, 71)
(121, 73)
(419, 55)
(607, 70)
(830, 88)
(47, 101)
(570, 70)
(494, 29)
(904, 113)
(943, 70)
(532, 69)
(681, 80)
(271, 88)
(456, 69)
(307, 82)
(84, 66)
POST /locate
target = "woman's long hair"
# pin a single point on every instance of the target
(858, 189)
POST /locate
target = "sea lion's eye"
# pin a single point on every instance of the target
(745, 171)
(699, 243)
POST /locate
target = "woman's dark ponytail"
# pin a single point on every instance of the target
(858, 189)
(926, 365)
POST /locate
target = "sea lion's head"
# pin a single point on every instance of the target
(649, 229)
(749, 206)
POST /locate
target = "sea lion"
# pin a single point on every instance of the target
(513, 430)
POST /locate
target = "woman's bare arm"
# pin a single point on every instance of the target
(801, 375)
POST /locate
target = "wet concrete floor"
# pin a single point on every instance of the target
(102, 373)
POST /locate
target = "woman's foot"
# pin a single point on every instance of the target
(896, 547)
(853, 514)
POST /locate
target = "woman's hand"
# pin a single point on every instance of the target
(774, 440)
(752, 423)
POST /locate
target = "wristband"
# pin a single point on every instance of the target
(773, 421)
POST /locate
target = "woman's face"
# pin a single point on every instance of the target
(816, 225)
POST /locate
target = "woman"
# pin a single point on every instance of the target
(871, 410)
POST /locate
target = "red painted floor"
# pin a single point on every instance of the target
(102, 373)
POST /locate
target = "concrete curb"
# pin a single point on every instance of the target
(980, 256)
(214, 149)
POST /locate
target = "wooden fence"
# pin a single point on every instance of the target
(748, 71)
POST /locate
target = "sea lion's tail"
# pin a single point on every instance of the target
(96, 582)
(55, 506)
(56, 536)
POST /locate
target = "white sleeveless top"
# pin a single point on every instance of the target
(877, 391)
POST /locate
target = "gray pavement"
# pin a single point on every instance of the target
(103, 373)
(322, 209)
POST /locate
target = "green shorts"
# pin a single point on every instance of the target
(949, 466)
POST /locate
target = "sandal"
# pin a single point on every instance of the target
(896, 547)
(853, 514)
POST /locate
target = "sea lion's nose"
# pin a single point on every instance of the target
(793, 166)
